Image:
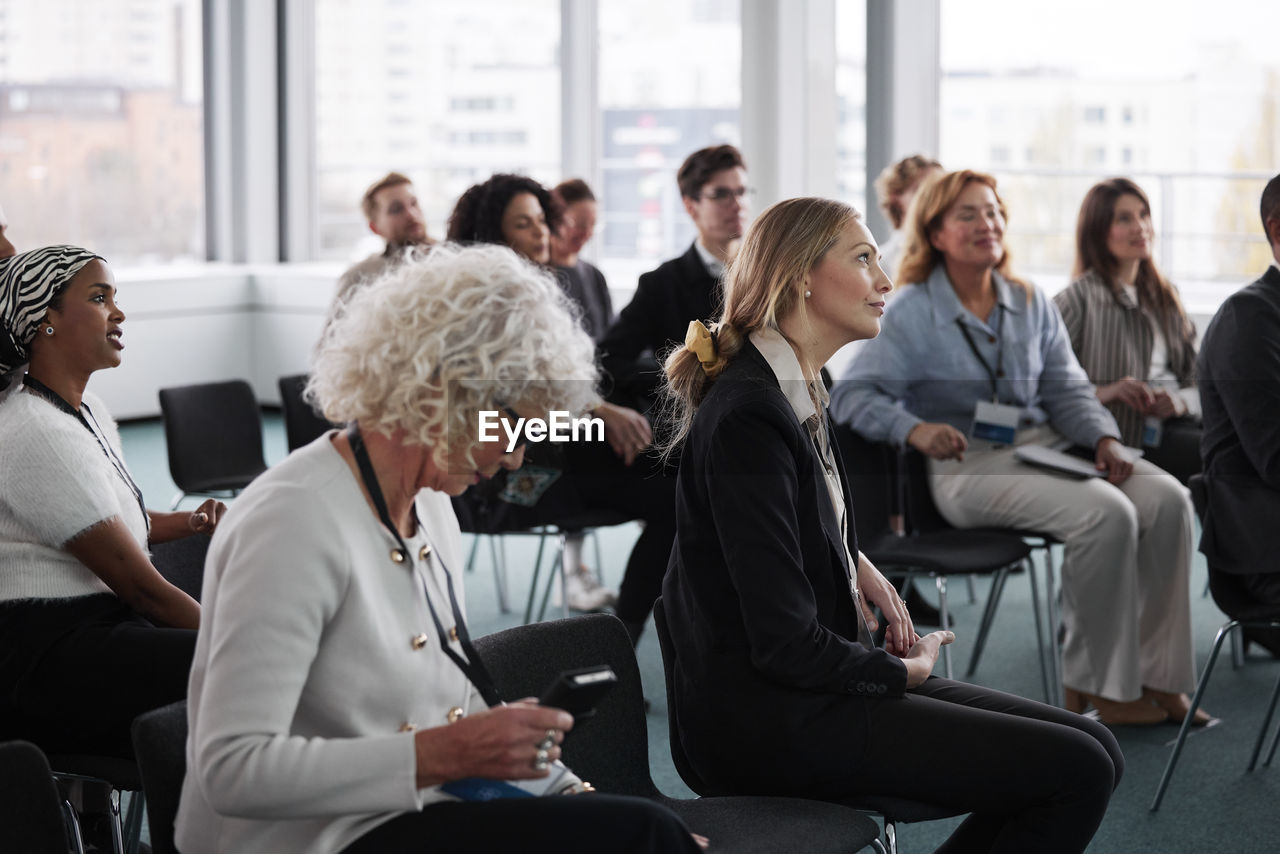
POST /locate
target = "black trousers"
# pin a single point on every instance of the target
(563, 824)
(644, 490)
(1034, 777)
(74, 673)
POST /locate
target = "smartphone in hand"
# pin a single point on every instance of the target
(579, 691)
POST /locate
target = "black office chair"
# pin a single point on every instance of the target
(117, 775)
(160, 743)
(34, 818)
(181, 562)
(892, 811)
(213, 432)
(1200, 498)
(938, 553)
(302, 424)
(610, 749)
(923, 516)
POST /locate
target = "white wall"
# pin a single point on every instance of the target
(256, 323)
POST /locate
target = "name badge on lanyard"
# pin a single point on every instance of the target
(995, 422)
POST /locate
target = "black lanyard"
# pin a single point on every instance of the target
(471, 666)
(998, 372)
(91, 424)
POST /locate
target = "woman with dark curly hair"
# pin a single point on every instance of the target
(512, 210)
(518, 212)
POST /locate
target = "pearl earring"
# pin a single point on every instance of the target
(808, 294)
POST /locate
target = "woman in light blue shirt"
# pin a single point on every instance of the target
(969, 351)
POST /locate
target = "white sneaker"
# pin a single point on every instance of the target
(584, 591)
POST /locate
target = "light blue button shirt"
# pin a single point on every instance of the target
(920, 368)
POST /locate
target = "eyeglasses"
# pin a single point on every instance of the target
(722, 195)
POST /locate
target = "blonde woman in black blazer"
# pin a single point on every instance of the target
(778, 686)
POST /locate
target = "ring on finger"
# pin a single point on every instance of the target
(548, 741)
(541, 759)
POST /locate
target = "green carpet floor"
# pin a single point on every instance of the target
(1212, 804)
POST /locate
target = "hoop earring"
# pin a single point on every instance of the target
(48, 330)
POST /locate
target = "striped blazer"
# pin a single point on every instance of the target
(1113, 339)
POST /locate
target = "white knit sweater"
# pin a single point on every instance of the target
(55, 483)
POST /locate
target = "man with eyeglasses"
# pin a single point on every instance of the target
(713, 186)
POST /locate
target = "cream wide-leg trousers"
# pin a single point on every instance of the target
(1126, 605)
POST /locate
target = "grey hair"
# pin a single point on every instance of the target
(447, 333)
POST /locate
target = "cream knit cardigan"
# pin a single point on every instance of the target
(55, 483)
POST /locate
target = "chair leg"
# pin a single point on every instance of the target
(890, 836)
(595, 542)
(499, 572)
(117, 831)
(1055, 645)
(878, 846)
(533, 583)
(177, 499)
(988, 617)
(72, 822)
(1237, 648)
(941, 582)
(1035, 610)
(1191, 713)
(1262, 730)
(551, 580)
(973, 589)
(1275, 740)
(133, 822)
(471, 555)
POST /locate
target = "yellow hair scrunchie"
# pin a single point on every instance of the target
(699, 341)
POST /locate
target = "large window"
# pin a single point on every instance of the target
(670, 83)
(1183, 102)
(851, 102)
(101, 130)
(446, 92)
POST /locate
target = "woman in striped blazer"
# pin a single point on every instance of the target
(1129, 330)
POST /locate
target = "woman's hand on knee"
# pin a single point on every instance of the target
(939, 441)
(1111, 457)
(513, 742)
(924, 655)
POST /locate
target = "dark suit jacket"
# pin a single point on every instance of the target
(1239, 375)
(666, 299)
(768, 683)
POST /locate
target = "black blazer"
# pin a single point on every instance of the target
(666, 299)
(769, 683)
(1239, 378)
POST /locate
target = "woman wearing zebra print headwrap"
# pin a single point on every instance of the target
(83, 612)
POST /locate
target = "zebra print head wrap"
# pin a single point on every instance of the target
(29, 283)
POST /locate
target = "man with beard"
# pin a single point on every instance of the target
(391, 207)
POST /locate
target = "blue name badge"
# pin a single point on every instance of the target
(482, 789)
(995, 422)
(1152, 432)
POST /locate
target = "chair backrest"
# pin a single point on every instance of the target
(214, 435)
(611, 748)
(31, 816)
(302, 424)
(678, 757)
(922, 512)
(181, 562)
(160, 742)
(869, 467)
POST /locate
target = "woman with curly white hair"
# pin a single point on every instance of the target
(336, 701)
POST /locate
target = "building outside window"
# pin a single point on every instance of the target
(101, 127)
(446, 92)
(1184, 103)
